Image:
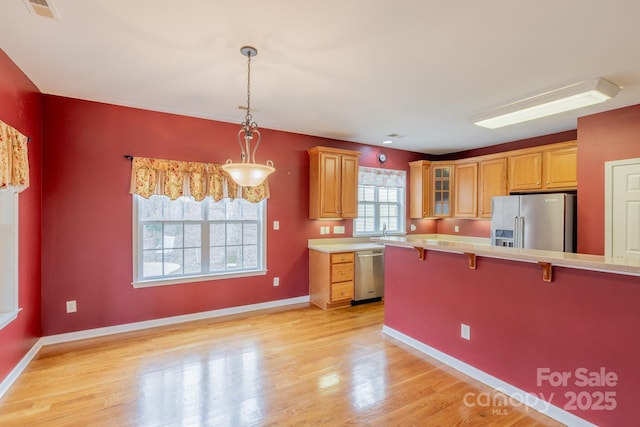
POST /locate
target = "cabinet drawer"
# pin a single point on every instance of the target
(341, 272)
(342, 291)
(342, 257)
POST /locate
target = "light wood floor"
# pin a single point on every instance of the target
(296, 367)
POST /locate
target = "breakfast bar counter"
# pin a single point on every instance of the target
(506, 316)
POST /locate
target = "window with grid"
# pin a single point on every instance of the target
(8, 257)
(184, 240)
(381, 202)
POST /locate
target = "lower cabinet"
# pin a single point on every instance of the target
(331, 278)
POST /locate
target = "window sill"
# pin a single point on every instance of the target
(400, 233)
(6, 318)
(192, 279)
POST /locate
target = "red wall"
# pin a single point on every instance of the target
(520, 323)
(20, 107)
(87, 212)
(613, 135)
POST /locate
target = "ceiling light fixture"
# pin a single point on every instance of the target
(568, 98)
(248, 173)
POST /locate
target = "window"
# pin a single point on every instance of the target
(8, 256)
(381, 202)
(183, 240)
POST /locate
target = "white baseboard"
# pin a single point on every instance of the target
(136, 326)
(514, 393)
(6, 384)
(99, 332)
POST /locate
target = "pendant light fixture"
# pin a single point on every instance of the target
(248, 173)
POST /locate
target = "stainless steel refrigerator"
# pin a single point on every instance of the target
(534, 221)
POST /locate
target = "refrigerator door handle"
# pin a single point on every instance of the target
(516, 234)
(521, 232)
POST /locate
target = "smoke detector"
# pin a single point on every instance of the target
(43, 8)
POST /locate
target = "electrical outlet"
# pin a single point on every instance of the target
(413, 227)
(276, 225)
(276, 281)
(456, 229)
(321, 230)
(465, 331)
(72, 307)
(338, 229)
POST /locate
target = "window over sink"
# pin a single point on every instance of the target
(381, 202)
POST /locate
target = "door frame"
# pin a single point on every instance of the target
(608, 201)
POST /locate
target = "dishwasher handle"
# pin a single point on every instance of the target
(369, 254)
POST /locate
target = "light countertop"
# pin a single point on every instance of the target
(560, 259)
(354, 244)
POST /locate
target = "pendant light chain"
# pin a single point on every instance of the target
(248, 116)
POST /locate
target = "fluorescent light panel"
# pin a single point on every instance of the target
(568, 98)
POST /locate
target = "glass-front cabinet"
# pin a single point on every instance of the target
(442, 182)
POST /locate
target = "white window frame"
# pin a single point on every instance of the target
(402, 212)
(139, 282)
(9, 285)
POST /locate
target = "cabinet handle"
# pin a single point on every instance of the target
(538, 183)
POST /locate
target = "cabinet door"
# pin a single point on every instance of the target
(465, 190)
(492, 177)
(349, 187)
(442, 185)
(419, 182)
(561, 168)
(525, 172)
(329, 185)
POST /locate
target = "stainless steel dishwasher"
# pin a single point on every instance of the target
(369, 276)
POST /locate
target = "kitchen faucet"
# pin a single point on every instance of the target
(384, 229)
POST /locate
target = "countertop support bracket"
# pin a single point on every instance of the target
(547, 271)
(472, 260)
(421, 252)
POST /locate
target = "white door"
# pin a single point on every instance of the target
(623, 228)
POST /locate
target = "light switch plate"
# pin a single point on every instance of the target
(72, 307)
(276, 225)
(465, 331)
(338, 229)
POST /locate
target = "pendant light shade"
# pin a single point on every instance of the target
(248, 173)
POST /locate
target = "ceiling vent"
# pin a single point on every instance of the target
(42, 8)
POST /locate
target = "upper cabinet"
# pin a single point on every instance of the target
(492, 181)
(549, 167)
(465, 190)
(419, 187)
(333, 184)
(442, 177)
(561, 167)
(525, 171)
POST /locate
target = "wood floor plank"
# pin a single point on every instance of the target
(302, 366)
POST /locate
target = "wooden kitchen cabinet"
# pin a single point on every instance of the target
(465, 190)
(331, 278)
(420, 189)
(442, 176)
(525, 171)
(549, 167)
(333, 184)
(561, 167)
(492, 181)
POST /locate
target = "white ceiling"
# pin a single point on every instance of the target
(355, 70)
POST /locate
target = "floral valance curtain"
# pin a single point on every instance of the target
(382, 177)
(174, 178)
(14, 159)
